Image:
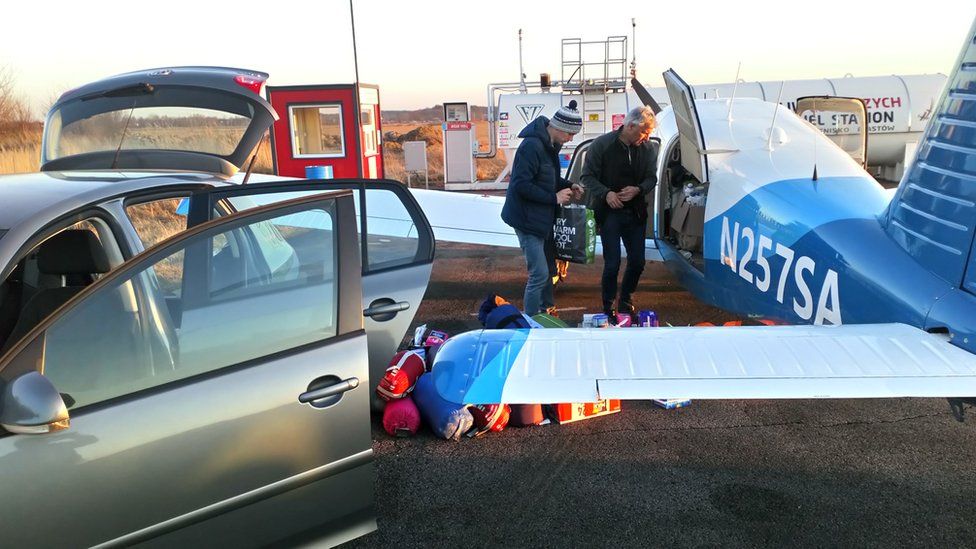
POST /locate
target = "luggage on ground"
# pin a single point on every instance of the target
(549, 321)
(490, 417)
(405, 369)
(401, 418)
(524, 415)
(497, 313)
(446, 419)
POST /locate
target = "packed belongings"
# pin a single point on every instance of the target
(497, 313)
(446, 419)
(489, 417)
(402, 375)
(526, 415)
(401, 418)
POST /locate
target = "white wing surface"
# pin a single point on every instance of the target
(762, 362)
(477, 219)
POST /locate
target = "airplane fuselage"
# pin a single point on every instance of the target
(781, 245)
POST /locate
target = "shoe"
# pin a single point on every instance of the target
(611, 316)
(629, 309)
(552, 311)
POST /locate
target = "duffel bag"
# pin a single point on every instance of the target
(446, 419)
(405, 369)
(401, 418)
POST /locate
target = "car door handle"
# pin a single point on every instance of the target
(331, 390)
(385, 309)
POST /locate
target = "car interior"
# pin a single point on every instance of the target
(52, 273)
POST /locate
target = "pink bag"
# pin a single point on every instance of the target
(401, 418)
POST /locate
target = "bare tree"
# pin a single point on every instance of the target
(15, 112)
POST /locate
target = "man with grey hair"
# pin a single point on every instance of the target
(620, 171)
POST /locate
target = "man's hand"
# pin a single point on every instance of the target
(577, 191)
(613, 200)
(628, 193)
(564, 196)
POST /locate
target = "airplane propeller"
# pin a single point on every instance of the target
(644, 95)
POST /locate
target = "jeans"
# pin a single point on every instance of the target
(622, 225)
(538, 288)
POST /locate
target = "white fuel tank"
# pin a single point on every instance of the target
(898, 107)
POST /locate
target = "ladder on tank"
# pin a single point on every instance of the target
(592, 70)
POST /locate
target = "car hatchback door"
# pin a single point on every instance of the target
(397, 250)
(216, 391)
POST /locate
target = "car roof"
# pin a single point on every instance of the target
(33, 200)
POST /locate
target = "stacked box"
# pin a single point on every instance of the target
(671, 403)
(569, 412)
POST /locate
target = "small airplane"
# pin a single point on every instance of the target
(878, 288)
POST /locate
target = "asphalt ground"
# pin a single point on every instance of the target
(807, 473)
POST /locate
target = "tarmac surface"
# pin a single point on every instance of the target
(717, 473)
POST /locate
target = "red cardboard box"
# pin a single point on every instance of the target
(569, 412)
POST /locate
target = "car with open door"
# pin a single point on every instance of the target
(183, 352)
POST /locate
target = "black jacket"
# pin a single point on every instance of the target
(599, 174)
(530, 201)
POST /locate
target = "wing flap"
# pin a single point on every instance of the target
(578, 365)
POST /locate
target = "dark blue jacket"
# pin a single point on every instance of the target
(530, 202)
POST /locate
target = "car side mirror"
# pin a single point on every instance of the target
(31, 405)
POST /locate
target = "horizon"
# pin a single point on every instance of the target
(474, 49)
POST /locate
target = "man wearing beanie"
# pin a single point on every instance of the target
(535, 189)
(619, 172)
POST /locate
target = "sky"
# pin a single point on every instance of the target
(423, 52)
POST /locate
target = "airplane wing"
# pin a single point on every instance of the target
(750, 362)
(477, 219)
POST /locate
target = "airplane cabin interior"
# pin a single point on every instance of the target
(682, 208)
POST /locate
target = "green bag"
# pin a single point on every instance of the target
(575, 234)
(549, 321)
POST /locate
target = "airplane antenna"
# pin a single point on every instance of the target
(816, 108)
(769, 141)
(522, 87)
(633, 38)
(734, 88)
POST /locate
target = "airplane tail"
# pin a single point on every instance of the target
(933, 213)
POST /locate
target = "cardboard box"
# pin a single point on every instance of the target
(687, 219)
(672, 403)
(569, 412)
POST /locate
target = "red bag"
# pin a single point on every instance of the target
(490, 417)
(404, 371)
(401, 418)
(524, 415)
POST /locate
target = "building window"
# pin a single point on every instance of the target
(317, 131)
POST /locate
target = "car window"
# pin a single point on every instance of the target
(391, 234)
(188, 313)
(157, 220)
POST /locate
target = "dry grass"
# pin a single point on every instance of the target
(396, 134)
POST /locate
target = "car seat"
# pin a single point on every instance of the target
(76, 255)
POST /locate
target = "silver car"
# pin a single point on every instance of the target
(185, 358)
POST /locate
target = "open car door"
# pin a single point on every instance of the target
(691, 139)
(395, 241)
(212, 387)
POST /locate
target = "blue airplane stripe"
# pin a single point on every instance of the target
(500, 356)
(772, 210)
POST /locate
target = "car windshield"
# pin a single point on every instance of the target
(154, 118)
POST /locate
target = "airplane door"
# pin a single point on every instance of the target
(691, 140)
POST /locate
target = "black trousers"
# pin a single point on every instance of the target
(625, 226)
